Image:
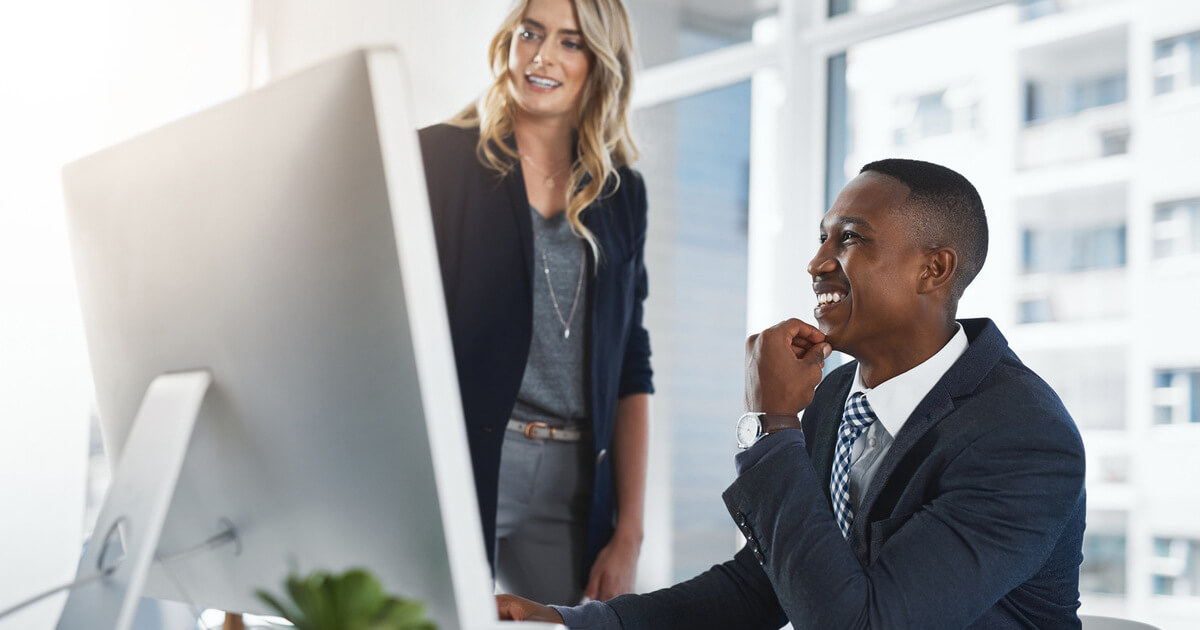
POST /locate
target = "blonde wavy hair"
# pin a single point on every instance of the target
(604, 143)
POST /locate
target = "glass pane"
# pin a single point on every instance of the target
(1194, 45)
(1027, 9)
(669, 30)
(1194, 396)
(1103, 568)
(696, 161)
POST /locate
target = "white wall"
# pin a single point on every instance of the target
(77, 75)
(444, 42)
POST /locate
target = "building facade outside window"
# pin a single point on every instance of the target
(1177, 396)
(1177, 228)
(1177, 63)
(1176, 567)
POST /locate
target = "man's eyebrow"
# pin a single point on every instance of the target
(538, 25)
(859, 222)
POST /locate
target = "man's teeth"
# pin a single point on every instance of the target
(545, 83)
(829, 298)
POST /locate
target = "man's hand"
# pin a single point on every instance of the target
(513, 608)
(783, 367)
(614, 570)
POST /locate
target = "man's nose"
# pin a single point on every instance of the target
(822, 262)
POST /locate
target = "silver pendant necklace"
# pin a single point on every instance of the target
(550, 177)
(566, 323)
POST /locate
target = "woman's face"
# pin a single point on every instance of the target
(548, 62)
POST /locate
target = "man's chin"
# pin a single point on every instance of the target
(833, 336)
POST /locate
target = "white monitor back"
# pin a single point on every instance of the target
(283, 241)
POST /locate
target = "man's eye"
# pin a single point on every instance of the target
(823, 238)
(849, 235)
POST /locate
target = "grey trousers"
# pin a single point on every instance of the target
(541, 518)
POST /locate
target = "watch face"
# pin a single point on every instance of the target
(747, 430)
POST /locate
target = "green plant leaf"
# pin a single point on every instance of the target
(353, 600)
(287, 612)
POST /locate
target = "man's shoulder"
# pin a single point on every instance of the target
(1012, 385)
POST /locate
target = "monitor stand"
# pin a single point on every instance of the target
(108, 586)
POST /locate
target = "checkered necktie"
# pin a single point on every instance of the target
(857, 417)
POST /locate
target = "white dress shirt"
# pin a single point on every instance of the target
(893, 401)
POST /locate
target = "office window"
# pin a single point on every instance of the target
(1104, 553)
(1177, 396)
(1090, 381)
(1177, 228)
(1035, 310)
(952, 110)
(1175, 567)
(1103, 568)
(668, 30)
(1070, 250)
(696, 160)
(1177, 63)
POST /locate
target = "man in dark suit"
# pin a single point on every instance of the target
(936, 482)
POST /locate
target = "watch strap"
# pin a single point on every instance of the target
(772, 422)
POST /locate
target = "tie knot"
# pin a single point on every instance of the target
(858, 413)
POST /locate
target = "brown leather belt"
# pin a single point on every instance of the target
(543, 431)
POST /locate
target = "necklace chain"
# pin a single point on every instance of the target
(549, 183)
(566, 323)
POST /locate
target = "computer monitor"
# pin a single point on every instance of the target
(282, 242)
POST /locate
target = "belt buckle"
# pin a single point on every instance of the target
(534, 426)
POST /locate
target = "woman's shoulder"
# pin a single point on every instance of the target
(631, 188)
(448, 152)
(447, 136)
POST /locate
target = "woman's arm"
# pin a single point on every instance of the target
(616, 565)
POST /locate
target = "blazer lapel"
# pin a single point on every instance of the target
(514, 186)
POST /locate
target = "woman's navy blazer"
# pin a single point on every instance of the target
(485, 248)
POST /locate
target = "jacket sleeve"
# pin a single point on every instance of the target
(636, 374)
(734, 595)
(1001, 504)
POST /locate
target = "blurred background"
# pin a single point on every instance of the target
(1078, 120)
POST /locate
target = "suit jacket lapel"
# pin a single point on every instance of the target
(933, 408)
(824, 427)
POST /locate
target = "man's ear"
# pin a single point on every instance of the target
(941, 265)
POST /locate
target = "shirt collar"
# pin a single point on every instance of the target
(894, 400)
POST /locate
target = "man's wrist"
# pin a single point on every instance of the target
(755, 425)
(627, 535)
(772, 422)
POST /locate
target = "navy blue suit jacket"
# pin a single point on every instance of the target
(485, 250)
(974, 520)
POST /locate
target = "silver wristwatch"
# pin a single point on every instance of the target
(752, 426)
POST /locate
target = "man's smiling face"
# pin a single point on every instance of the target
(867, 269)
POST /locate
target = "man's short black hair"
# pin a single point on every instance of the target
(946, 212)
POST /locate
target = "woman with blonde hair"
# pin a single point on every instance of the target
(540, 226)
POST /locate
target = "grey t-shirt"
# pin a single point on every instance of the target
(552, 387)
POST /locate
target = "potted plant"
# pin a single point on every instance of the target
(353, 600)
